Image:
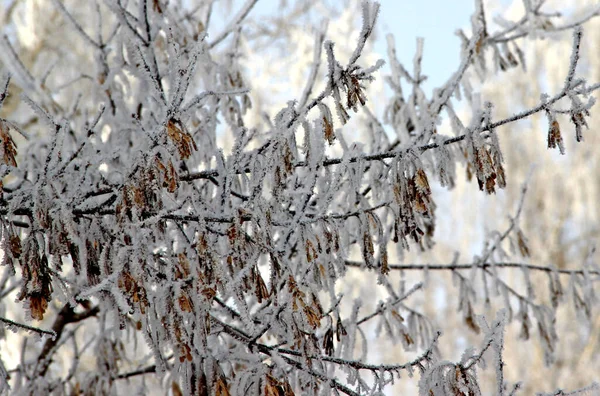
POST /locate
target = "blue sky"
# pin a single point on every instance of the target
(435, 21)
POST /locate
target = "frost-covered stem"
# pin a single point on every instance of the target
(122, 14)
(154, 73)
(396, 301)
(370, 13)
(150, 369)
(66, 316)
(90, 131)
(592, 389)
(515, 389)
(331, 381)
(498, 36)
(511, 290)
(511, 227)
(500, 373)
(344, 216)
(488, 343)
(240, 336)
(4, 90)
(358, 365)
(268, 350)
(498, 345)
(198, 98)
(234, 23)
(146, 21)
(23, 326)
(394, 154)
(15, 65)
(17, 283)
(165, 246)
(373, 157)
(318, 47)
(577, 33)
(451, 86)
(455, 267)
(75, 24)
(493, 125)
(568, 26)
(480, 14)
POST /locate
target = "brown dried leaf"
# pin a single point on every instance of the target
(397, 316)
(184, 302)
(15, 245)
(171, 178)
(275, 387)
(328, 129)
(37, 306)
(232, 233)
(308, 246)
(8, 149)
(133, 290)
(262, 293)
(355, 94)
(500, 176)
(524, 335)
(555, 138)
(288, 160)
(579, 120)
(183, 266)
(209, 293)
(368, 248)
(181, 139)
(522, 243)
(421, 182)
(175, 389)
(479, 45)
(469, 171)
(407, 338)
(312, 316)
(221, 388)
(202, 244)
(340, 330)
(470, 319)
(385, 268)
(328, 342)
(490, 184)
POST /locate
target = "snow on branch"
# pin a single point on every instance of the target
(179, 231)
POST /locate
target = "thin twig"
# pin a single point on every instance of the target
(237, 19)
(9, 322)
(455, 267)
